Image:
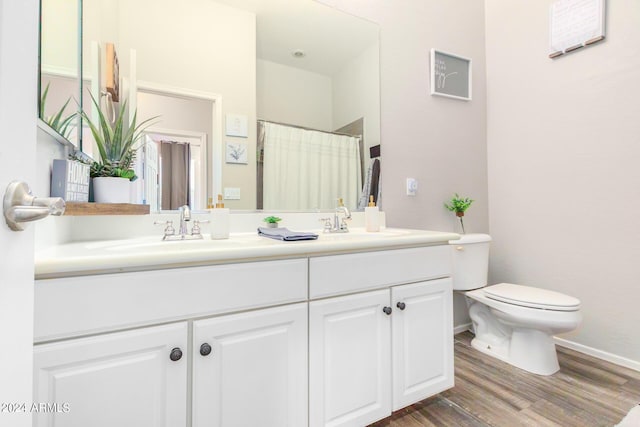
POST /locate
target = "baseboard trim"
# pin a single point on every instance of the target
(462, 328)
(600, 354)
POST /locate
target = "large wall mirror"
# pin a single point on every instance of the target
(252, 97)
(60, 95)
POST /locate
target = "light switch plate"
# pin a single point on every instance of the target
(412, 186)
(231, 193)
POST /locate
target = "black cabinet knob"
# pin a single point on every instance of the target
(387, 310)
(176, 354)
(401, 305)
(205, 349)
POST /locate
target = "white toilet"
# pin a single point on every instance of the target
(513, 323)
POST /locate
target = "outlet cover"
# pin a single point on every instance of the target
(412, 186)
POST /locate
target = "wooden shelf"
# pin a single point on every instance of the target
(81, 208)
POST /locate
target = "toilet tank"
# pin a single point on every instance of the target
(470, 260)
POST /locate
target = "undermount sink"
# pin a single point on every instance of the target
(362, 233)
(155, 243)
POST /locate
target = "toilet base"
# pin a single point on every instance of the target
(530, 350)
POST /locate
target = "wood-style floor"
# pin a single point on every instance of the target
(585, 392)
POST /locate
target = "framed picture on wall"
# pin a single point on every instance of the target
(236, 152)
(450, 75)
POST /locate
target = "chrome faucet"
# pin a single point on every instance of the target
(183, 231)
(185, 216)
(339, 225)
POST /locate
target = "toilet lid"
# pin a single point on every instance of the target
(527, 296)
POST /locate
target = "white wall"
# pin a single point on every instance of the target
(293, 96)
(60, 31)
(176, 113)
(563, 145)
(356, 94)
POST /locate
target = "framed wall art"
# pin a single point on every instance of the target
(236, 152)
(450, 75)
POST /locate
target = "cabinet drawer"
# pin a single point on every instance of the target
(339, 274)
(89, 304)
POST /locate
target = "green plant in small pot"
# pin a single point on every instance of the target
(272, 221)
(116, 143)
(459, 205)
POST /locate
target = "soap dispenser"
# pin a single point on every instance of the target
(219, 220)
(372, 216)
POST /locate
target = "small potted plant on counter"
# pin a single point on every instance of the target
(272, 221)
(459, 205)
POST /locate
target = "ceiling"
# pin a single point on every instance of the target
(328, 37)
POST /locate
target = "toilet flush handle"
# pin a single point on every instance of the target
(459, 248)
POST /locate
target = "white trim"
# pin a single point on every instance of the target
(214, 166)
(56, 71)
(600, 354)
(461, 328)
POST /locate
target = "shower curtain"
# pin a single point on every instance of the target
(174, 173)
(307, 169)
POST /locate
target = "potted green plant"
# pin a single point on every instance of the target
(272, 221)
(116, 143)
(459, 205)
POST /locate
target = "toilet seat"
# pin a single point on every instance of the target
(530, 297)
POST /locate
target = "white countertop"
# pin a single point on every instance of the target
(149, 252)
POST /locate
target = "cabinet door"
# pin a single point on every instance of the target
(256, 371)
(422, 340)
(349, 360)
(118, 379)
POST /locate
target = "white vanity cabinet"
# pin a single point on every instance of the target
(105, 346)
(338, 338)
(132, 378)
(250, 369)
(377, 351)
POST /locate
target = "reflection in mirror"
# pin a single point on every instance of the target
(59, 81)
(318, 104)
(172, 159)
(294, 62)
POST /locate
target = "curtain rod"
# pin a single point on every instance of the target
(306, 128)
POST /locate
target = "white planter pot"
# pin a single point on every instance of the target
(111, 190)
